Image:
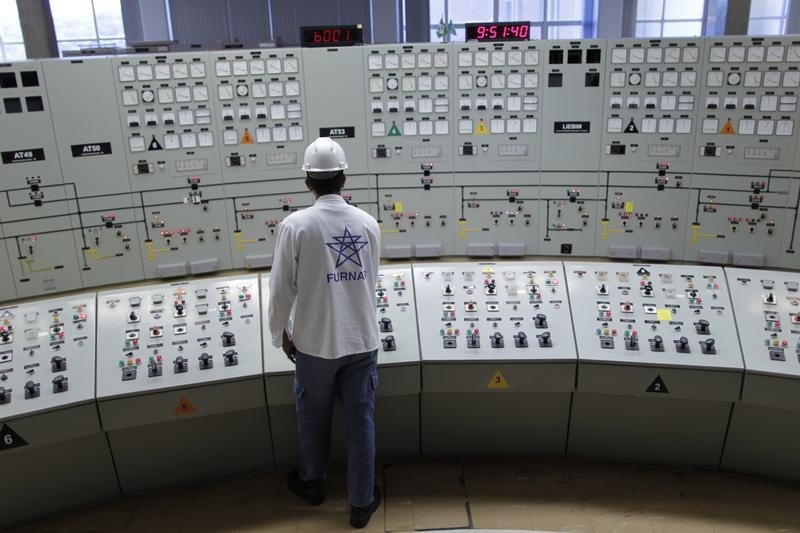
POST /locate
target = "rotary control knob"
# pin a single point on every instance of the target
(59, 384)
(132, 317)
(702, 326)
(521, 340)
(658, 342)
(205, 361)
(180, 364)
(497, 340)
(31, 389)
(541, 320)
(58, 363)
(230, 358)
(389, 344)
(770, 298)
(386, 325)
(545, 340)
(708, 346)
(603, 289)
(228, 338)
(4, 396)
(4, 335)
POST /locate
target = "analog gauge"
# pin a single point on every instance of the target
(530, 57)
(755, 54)
(669, 102)
(498, 58)
(464, 82)
(690, 54)
(616, 79)
(714, 78)
(273, 66)
(223, 68)
(481, 81)
(291, 65)
(391, 61)
(257, 67)
(636, 55)
(126, 73)
(240, 68)
(185, 117)
(292, 88)
(670, 78)
(772, 78)
(171, 141)
(410, 84)
(225, 91)
(793, 54)
(180, 71)
(619, 55)
(465, 59)
(440, 59)
(163, 71)
(683, 125)
(130, 97)
(205, 138)
(791, 78)
(440, 83)
(376, 84)
(481, 59)
(769, 103)
(165, 95)
(197, 69)
(672, 55)
(530, 80)
(734, 78)
(392, 84)
(784, 127)
(242, 90)
(775, 54)
(498, 81)
(275, 89)
(652, 79)
(654, 55)
(408, 61)
(752, 78)
(200, 93)
(136, 143)
(148, 96)
(514, 58)
(688, 78)
(635, 78)
(747, 126)
(259, 90)
(514, 81)
(183, 94)
(374, 62)
(424, 60)
(716, 54)
(144, 72)
(765, 127)
(736, 54)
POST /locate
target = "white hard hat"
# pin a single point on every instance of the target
(324, 156)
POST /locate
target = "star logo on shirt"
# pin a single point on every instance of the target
(347, 247)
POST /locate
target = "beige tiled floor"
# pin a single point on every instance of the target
(550, 495)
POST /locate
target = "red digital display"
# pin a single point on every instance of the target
(331, 35)
(498, 31)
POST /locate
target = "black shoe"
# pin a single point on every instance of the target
(359, 516)
(311, 490)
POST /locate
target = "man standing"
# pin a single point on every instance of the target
(325, 265)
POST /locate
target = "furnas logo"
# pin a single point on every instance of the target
(571, 127)
(23, 156)
(88, 150)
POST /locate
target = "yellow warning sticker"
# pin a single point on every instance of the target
(498, 381)
(247, 138)
(184, 407)
(727, 129)
(398, 207)
(664, 314)
(481, 128)
(629, 207)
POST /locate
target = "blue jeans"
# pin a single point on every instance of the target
(353, 379)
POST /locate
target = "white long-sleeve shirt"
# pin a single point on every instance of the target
(325, 264)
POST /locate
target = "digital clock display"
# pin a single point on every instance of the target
(331, 35)
(498, 31)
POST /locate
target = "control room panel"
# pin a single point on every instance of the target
(493, 311)
(175, 335)
(47, 355)
(649, 150)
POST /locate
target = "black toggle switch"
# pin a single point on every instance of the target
(448, 290)
(60, 384)
(657, 344)
(682, 345)
(521, 340)
(386, 325)
(497, 340)
(5, 396)
(702, 327)
(205, 361)
(132, 317)
(632, 343)
(541, 321)
(473, 341)
(603, 289)
(179, 365)
(31, 390)
(388, 344)
(228, 339)
(545, 341)
(708, 346)
(770, 298)
(58, 363)
(230, 358)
